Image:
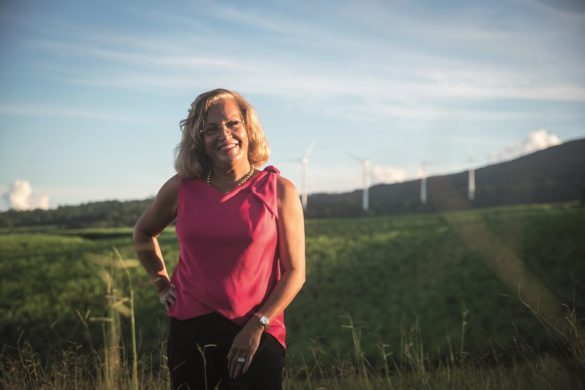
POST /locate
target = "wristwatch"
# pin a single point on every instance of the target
(263, 320)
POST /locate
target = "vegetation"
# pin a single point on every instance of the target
(435, 300)
(94, 214)
(552, 175)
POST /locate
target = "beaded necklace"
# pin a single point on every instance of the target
(238, 183)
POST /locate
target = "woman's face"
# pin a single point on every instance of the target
(224, 134)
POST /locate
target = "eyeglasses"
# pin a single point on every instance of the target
(212, 131)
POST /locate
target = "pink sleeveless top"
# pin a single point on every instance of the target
(228, 259)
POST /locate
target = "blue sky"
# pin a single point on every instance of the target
(92, 92)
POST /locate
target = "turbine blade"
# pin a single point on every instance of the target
(291, 160)
(310, 149)
(355, 157)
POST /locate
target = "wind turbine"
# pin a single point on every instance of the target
(304, 168)
(423, 182)
(471, 181)
(365, 180)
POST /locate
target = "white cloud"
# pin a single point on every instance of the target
(20, 197)
(388, 174)
(536, 140)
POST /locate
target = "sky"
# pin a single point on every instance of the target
(92, 93)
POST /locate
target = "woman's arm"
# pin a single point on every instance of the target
(291, 239)
(159, 214)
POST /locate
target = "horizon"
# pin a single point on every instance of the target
(93, 94)
(413, 179)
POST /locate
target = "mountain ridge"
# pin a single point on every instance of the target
(555, 174)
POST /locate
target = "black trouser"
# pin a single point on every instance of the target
(211, 335)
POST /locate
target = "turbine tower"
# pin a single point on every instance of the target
(365, 185)
(365, 181)
(304, 168)
(471, 181)
(423, 183)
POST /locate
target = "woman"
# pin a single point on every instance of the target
(241, 238)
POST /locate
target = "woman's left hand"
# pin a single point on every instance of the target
(243, 348)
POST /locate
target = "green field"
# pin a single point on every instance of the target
(389, 272)
(454, 284)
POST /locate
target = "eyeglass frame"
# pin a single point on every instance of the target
(214, 130)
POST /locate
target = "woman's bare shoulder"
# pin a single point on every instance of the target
(162, 210)
(167, 195)
(172, 184)
(284, 185)
(286, 190)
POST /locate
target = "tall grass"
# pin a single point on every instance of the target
(522, 368)
(83, 332)
(107, 364)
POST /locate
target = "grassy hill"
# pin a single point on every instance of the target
(439, 270)
(556, 174)
(449, 275)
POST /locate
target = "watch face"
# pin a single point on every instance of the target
(264, 320)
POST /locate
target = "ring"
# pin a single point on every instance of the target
(241, 360)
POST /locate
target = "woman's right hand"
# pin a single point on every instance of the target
(168, 296)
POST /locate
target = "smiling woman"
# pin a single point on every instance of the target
(242, 250)
(204, 123)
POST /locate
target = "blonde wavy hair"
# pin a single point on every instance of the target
(191, 160)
